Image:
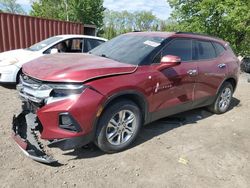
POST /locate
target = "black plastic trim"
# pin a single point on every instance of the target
(182, 108)
(75, 123)
(72, 143)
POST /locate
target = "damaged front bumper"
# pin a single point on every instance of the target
(24, 133)
(25, 129)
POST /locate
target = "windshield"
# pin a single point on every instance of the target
(41, 45)
(130, 49)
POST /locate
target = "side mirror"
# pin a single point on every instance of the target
(169, 61)
(54, 51)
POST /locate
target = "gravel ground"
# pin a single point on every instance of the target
(192, 149)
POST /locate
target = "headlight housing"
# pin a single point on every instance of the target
(66, 90)
(48, 93)
(63, 91)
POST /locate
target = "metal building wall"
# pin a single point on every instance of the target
(18, 31)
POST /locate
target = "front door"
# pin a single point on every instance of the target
(174, 87)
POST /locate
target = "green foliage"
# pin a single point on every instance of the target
(122, 22)
(84, 11)
(11, 6)
(227, 19)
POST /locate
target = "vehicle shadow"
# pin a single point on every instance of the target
(154, 129)
(9, 86)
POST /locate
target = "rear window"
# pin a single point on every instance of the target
(204, 50)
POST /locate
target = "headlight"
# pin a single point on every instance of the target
(8, 61)
(61, 92)
(66, 90)
(39, 92)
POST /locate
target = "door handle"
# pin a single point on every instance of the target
(221, 66)
(192, 72)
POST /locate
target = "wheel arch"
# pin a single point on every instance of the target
(18, 74)
(232, 80)
(135, 96)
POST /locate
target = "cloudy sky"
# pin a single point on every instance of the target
(159, 8)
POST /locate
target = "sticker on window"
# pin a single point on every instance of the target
(152, 43)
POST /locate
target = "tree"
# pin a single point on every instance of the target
(116, 23)
(84, 11)
(227, 19)
(11, 6)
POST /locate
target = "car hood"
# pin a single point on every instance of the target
(74, 68)
(19, 56)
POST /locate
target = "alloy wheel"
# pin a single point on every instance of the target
(121, 127)
(225, 99)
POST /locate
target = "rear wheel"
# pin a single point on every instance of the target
(118, 126)
(223, 99)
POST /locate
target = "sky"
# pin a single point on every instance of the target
(160, 8)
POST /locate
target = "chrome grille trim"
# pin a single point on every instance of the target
(29, 90)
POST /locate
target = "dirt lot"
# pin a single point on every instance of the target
(193, 149)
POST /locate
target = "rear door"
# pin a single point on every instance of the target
(211, 69)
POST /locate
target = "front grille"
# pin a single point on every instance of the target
(30, 90)
(30, 82)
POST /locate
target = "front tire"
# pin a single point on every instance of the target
(223, 99)
(118, 126)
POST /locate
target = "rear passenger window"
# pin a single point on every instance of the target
(205, 50)
(181, 48)
(219, 48)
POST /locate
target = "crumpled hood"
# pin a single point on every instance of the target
(21, 55)
(74, 68)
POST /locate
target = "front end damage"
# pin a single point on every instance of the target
(53, 115)
(25, 133)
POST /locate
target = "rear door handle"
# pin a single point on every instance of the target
(221, 66)
(192, 72)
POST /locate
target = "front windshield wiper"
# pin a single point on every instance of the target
(103, 55)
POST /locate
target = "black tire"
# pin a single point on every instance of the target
(245, 65)
(18, 76)
(218, 107)
(105, 128)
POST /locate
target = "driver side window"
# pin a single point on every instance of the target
(74, 45)
(179, 47)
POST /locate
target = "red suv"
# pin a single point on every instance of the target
(105, 96)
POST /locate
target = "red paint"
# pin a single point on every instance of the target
(74, 68)
(18, 31)
(19, 141)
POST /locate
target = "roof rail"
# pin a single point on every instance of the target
(199, 34)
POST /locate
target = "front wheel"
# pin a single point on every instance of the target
(223, 99)
(118, 126)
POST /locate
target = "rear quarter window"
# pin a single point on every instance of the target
(219, 48)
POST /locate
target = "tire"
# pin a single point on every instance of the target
(118, 135)
(245, 65)
(223, 99)
(18, 76)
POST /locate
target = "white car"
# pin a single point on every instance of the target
(12, 61)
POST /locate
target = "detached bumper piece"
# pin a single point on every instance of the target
(24, 133)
